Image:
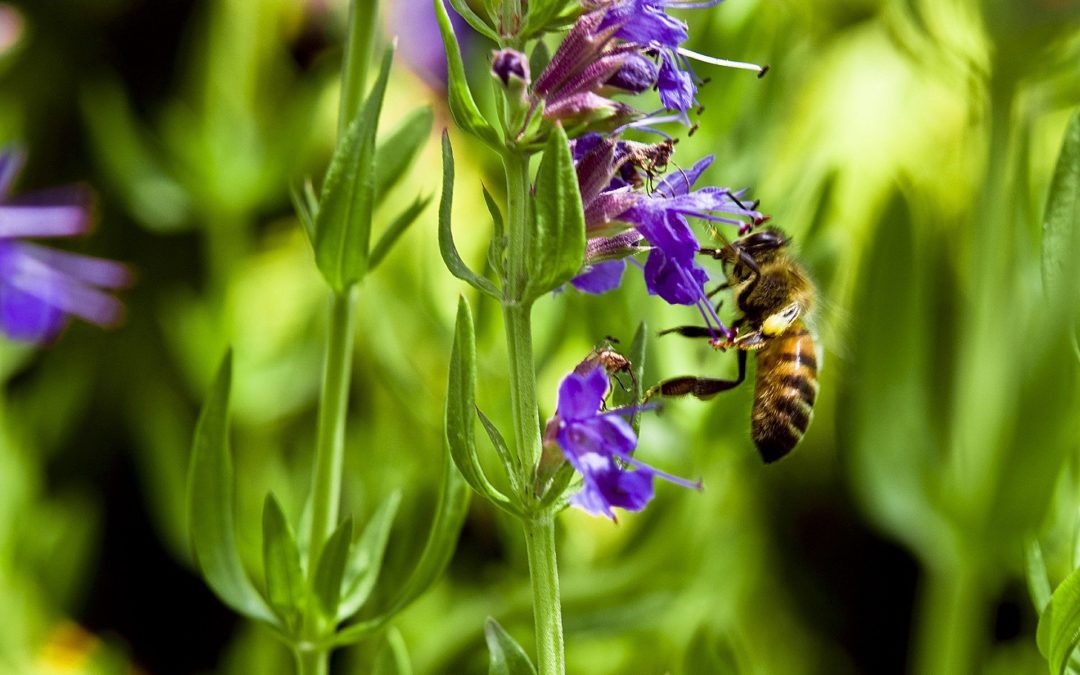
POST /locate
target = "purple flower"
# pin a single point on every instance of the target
(41, 287)
(599, 445)
(615, 46)
(659, 218)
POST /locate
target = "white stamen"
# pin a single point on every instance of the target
(741, 65)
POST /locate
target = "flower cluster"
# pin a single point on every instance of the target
(41, 287)
(599, 444)
(631, 207)
(627, 46)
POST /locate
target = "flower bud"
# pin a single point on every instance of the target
(510, 68)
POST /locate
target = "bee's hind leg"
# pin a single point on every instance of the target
(702, 388)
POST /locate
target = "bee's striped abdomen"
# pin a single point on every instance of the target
(785, 392)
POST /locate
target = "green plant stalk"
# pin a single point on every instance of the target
(330, 442)
(547, 606)
(358, 53)
(312, 661)
(954, 610)
(539, 526)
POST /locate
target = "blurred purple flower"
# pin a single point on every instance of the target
(419, 41)
(11, 27)
(41, 287)
(599, 445)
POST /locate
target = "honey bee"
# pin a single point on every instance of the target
(775, 295)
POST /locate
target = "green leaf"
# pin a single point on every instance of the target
(547, 15)
(366, 560)
(506, 657)
(1063, 211)
(474, 20)
(555, 250)
(460, 407)
(450, 513)
(1061, 225)
(1037, 578)
(397, 228)
(211, 515)
(510, 461)
(1058, 630)
(559, 482)
(306, 205)
(393, 656)
(499, 230)
(449, 251)
(497, 247)
(398, 150)
(463, 107)
(343, 221)
(330, 570)
(1059, 624)
(281, 564)
(636, 356)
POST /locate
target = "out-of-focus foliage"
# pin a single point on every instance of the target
(908, 147)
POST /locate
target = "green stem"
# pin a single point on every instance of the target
(539, 527)
(547, 607)
(312, 661)
(330, 443)
(952, 631)
(358, 52)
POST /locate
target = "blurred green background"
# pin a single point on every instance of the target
(908, 147)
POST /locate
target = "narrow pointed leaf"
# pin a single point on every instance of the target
(559, 482)
(366, 559)
(1037, 578)
(1062, 221)
(628, 393)
(397, 228)
(330, 570)
(505, 655)
(306, 206)
(463, 107)
(556, 248)
(211, 514)
(509, 460)
(497, 248)
(281, 563)
(499, 230)
(399, 148)
(474, 20)
(449, 251)
(343, 221)
(460, 407)
(1059, 624)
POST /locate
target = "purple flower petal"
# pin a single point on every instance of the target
(95, 271)
(26, 317)
(600, 277)
(580, 396)
(11, 161)
(679, 182)
(675, 86)
(33, 277)
(42, 221)
(645, 22)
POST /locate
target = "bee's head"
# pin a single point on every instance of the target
(761, 247)
(764, 244)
